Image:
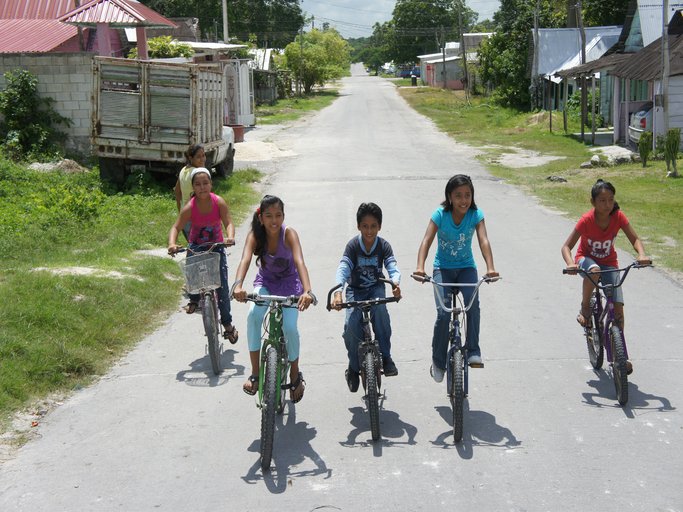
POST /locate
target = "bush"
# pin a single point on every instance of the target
(164, 47)
(27, 130)
(574, 109)
(645, 146)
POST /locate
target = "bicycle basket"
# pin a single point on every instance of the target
(202, 271)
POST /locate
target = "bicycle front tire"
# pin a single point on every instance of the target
(372, 393)
(619, 364)
(457, 393)
(210, 318)
(268, 408)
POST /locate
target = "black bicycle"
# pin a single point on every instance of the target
(202, 275)
(457, 374)
(369, 356)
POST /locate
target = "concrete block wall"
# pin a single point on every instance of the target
(67, 79)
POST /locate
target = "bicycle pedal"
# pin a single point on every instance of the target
(476, 365)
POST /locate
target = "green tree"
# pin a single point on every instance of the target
(28, 121)
(504, 57)
(598, 13)
(318, 57)
(421, 26)
(164, 47)
(274, 22)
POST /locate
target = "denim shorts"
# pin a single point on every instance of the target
(586, 264)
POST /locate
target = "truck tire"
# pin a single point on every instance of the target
(112, 170)
(226, 167)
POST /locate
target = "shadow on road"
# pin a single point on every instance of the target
(200, 373)
(391, 427)
(480, 429)
(604, 386)
(292, 447)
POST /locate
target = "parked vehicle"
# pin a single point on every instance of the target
(641, 121)
(146, 114)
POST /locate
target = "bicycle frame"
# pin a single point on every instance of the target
(605, 312)
(275, 339)
(455, 341)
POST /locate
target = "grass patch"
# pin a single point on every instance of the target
(59, 328)
(291, 109)
(651, 201)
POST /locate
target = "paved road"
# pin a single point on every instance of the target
(543, 431)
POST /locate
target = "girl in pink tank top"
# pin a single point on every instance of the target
(208, 214)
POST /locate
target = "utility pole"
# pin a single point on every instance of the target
(301, 58)
(584, 92)
(443, 57)
(665, 67)
(464, 54)
(534, 66)
(226, 38)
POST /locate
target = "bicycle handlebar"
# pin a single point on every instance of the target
(430, 279)
(362, 303)
(589, 275)
(211, 246)
(287, 301)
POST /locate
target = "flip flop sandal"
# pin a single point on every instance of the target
(253, 380)
(584, 313)
(191, 307)
(294, 387)
(231, 334)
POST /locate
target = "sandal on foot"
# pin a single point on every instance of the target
(252, 381)
(294, 387)
(191, 307)
(583, 316)
(230, 333)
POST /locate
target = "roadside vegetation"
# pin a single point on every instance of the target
(293, 108)
(79, 289)
(650, 199)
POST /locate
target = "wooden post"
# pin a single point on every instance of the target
(593, 109)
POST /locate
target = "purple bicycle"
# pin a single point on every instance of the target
(601, 326)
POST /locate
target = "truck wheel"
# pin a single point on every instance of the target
(226, 167)
(112, 170)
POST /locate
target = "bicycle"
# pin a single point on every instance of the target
(369, 356)
(202, 276)
(601, 326)
(274, 367)
(457, 374)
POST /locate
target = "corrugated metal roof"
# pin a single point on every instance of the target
(34, 9)
(116, 13)
(650, 14)
(604, 63)
(647, 63)
(34, 35)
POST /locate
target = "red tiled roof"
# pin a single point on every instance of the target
(34, 35)
(34, 9)
(116, 13)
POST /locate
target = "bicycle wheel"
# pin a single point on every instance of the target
(210, 318)
(456, 390)
(268, 407)
(619, 364)
(595, 343)
(372, 392)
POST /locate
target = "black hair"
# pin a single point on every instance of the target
(598, 187)
(369, 209)
(258, 229)
(457, 181)
(192, 151)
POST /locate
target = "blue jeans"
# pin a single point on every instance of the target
(353, 326)
(612, 278)
(224, 291)
(289, 327)
(440, 338)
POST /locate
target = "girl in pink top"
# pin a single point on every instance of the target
(207, 214)
(597, 231)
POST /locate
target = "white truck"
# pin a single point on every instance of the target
(146, 114)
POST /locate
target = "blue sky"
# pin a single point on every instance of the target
(355, 18)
